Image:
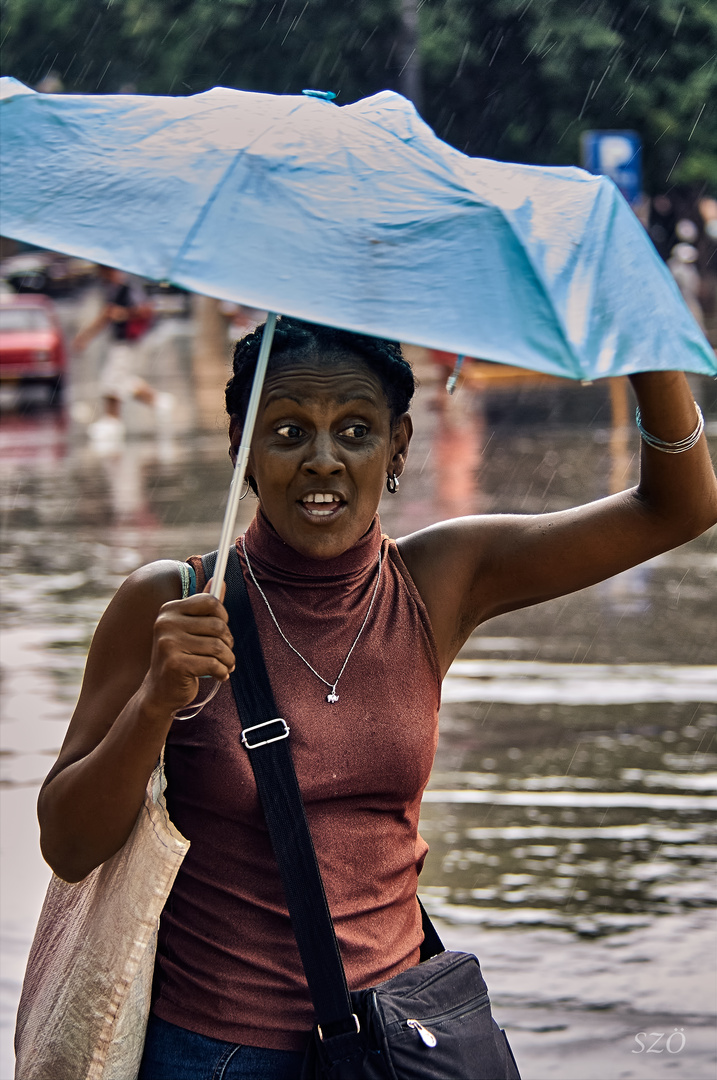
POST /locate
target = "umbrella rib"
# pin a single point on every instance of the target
(464, 187)
(218, 187)
(196, 225)
(546, 293)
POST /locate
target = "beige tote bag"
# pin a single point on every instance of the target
(86, 993)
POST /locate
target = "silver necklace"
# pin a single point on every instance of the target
(332, 697)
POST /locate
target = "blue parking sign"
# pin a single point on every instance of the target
(617, 154)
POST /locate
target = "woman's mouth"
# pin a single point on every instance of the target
(321, 503)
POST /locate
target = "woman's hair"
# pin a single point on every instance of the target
(295, 338)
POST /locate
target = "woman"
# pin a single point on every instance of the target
(358, 632)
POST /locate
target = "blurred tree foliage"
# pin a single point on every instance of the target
(511, 79)
(523, 78)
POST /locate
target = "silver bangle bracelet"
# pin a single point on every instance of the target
(678, 447)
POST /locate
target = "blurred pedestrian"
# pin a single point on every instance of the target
(128, 313)
(681, 263)
(662, 223)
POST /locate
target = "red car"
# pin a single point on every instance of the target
(32, 346)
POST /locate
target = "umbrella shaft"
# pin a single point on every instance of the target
(230, 514)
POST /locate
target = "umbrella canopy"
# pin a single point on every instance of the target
(358, 217)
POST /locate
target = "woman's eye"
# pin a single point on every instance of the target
(355, 431)
(289, 431)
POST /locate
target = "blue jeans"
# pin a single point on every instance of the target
(173, 1053)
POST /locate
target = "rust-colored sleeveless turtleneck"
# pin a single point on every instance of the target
(228, 966)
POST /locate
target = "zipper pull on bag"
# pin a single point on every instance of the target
(427, 1036)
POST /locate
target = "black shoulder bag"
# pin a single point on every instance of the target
(431, 1022)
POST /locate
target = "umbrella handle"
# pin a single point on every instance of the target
(227, 537)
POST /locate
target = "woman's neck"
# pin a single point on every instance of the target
(271, 556)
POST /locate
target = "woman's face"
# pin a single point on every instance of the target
(322, 447)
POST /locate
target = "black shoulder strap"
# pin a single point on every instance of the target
(265, 737)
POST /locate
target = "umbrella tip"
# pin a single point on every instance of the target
(452, 381)
(326, 95)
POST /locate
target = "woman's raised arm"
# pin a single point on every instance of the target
(470, 569)
(147, 655)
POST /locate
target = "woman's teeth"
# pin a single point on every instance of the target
(311, 500)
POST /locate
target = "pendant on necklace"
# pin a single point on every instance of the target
(332, 698)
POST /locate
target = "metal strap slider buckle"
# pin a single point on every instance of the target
(355, 1019)
(284, 733)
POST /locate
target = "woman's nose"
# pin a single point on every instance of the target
(323, 457)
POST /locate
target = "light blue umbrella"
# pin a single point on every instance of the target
(358, 217)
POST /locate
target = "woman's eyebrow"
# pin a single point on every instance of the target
(274, 397)
(346, 399)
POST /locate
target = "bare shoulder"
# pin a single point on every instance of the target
(443, 561)
(127, 625)
(160, 580)
(444, 547)
(141, 595)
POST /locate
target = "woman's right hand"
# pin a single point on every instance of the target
(145, 662)
(191, 640)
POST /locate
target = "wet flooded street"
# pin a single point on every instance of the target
(571, 810)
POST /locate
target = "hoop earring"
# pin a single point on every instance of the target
(248, 489)
(392, 484)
